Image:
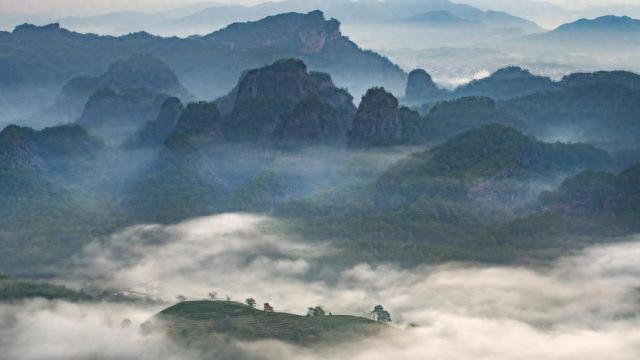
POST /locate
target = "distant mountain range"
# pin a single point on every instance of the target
(603, 32)
(205, 18)
(208, 66)
(550, 15)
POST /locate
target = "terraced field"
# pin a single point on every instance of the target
(197, 323)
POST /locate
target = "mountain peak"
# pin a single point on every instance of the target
(377, 121)
(304, 33)
(421, 88)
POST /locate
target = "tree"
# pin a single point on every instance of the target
(181, 298)
(316, 311)
(251, 302)
(381, 314)
(213, 295)
(268, 308)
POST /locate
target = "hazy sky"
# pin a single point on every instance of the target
(85, 7)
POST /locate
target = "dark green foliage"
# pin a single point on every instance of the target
(381, 314)
(596, 193)
(603, 114)
(117, 116)
(316, 311)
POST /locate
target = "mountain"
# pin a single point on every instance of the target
(45, 150)
(585, 108)
(351, 12)
(141, 72)
(621, 78)
(154, 133)
(116, 116)
(208, 66)
(380, 121)
(209, 155)
(436, 204)
(592, 193)
(508, 82)
(602, 25)
(440, 18)
(46, 212)
(421, 88)
(589, 206)
(285, 102)
(598, 33)
(449, 118)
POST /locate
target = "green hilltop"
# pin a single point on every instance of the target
(197, 323)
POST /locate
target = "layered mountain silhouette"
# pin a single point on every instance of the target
(202, 18)
(209, 65)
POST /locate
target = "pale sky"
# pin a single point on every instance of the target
(51, 8)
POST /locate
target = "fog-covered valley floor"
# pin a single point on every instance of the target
(582, 306)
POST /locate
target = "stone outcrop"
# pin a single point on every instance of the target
(377, 121)
(285, 102)
(421, 88)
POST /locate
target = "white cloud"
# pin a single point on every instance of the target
(584, 306)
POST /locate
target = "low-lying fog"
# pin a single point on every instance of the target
(584, 306)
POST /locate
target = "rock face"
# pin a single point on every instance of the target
(284, 102)
(377, 121)
(421, 88)
(303, 33)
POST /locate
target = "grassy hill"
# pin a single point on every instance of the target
(196, 323)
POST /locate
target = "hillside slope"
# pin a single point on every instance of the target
(198, 322)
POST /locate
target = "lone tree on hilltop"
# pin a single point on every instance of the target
(381, 314)
(316, 311)
(213, 295)
(268, 308)
(181, 298)
(251, 302)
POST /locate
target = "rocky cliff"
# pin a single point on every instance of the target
(378, 121)
(285, 102)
